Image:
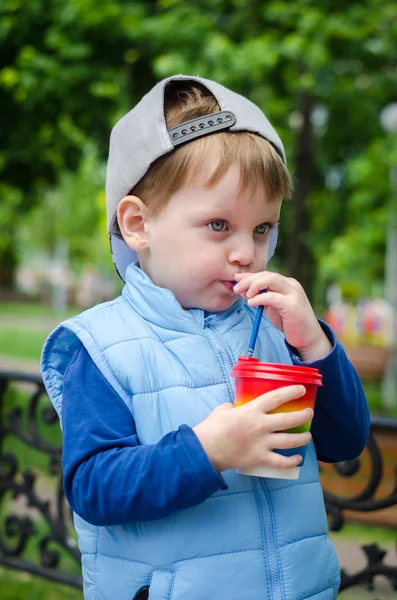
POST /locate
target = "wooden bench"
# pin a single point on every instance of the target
(369, 361)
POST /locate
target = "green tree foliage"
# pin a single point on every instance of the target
(321, 70)
(61, 76)
(62, 79)
(70, 212)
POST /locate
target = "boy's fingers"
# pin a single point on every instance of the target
(279, 461)
(273, 282)
(244, 280)
(283, 441)
(282, 421)
(273, 299)
(224, 406)
(275, 398)
(253, 283)
(242, 275)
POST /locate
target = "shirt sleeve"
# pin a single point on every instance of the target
(110, 478)
(341, 422)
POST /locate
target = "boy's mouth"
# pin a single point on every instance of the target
(229, 285)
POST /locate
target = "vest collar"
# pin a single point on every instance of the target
(160, 307)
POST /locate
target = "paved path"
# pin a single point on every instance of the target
(30, 323)
(353, 560)
(22, 365)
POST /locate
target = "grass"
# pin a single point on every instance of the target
(18, 585)
(22, 344)
(366, 534)
(361, 592)
(30, 309)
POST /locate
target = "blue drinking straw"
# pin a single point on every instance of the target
(255, 329)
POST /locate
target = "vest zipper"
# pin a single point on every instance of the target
(226, 361)
(275, 589)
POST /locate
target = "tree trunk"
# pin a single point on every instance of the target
(8, 265)
(300, 261)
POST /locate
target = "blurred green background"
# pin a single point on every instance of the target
(324, 72)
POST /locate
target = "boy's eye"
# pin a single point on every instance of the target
(217, 225)
(262, 229)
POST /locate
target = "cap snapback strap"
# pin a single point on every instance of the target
(202, 126)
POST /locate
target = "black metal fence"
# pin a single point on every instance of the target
(367, 500)
(34, 514)
(25, 416)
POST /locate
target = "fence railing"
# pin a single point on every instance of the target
(35, 518)
(22, 505)
(367, 500)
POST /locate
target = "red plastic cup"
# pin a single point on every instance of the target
(254, 378)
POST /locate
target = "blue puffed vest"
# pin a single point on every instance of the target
(260, 539)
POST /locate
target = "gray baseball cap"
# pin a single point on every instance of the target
(141, 137)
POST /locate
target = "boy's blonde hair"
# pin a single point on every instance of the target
(259, 162)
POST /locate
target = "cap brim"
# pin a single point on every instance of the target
(122, 254)
(273, 238)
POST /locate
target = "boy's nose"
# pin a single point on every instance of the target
(243, 255)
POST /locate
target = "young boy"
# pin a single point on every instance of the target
(196, 176)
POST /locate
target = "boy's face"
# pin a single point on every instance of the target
(204, 236)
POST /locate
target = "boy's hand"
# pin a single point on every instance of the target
(287, 308)
(245, 436)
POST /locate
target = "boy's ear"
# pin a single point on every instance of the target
(131, 213)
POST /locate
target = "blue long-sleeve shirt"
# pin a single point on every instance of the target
(112, 479)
